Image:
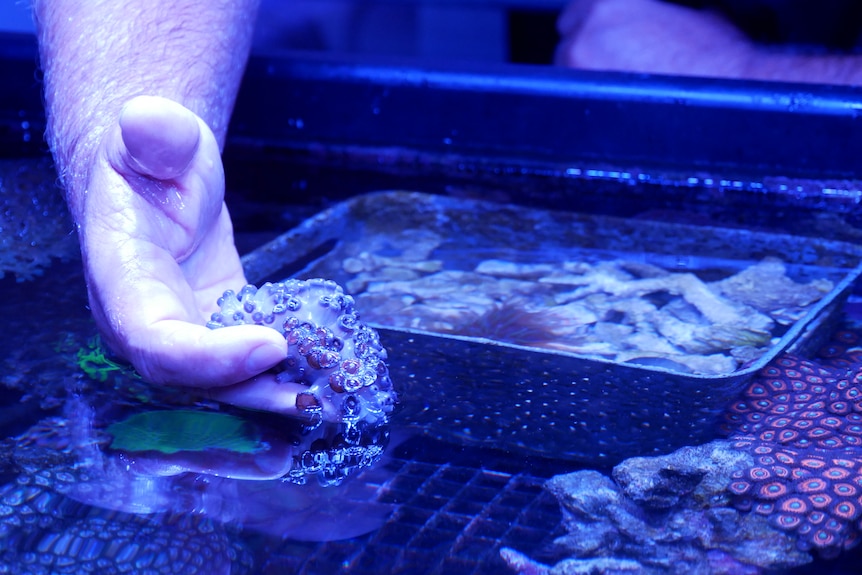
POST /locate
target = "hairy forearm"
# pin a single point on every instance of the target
(98, 54)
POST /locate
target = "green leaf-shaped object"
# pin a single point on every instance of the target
(170, 431)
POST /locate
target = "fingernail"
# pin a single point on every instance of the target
(264, 357)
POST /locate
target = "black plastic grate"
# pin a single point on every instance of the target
(449, 519)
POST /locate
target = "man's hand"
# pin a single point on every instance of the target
(650, 36)
(158, 249)
(659, 37)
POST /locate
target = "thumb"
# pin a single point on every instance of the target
(160, 136)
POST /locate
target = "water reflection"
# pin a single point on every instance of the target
(78, 505)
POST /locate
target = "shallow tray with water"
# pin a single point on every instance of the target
(567, 335)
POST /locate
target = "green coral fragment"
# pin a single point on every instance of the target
(172, 431)
(97, 365)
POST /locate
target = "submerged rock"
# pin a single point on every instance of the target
(668, 514)
(35, 227)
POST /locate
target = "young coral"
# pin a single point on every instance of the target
(340, 360)
(329, 350)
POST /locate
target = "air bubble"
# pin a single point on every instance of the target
(351, 406)
(352, 436)
(312, 461)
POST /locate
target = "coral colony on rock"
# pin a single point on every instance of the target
(785, 486)
(802, 422)
(340, 360)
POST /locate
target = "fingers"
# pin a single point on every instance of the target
(266, 394)
(160, 136)
(180, 353)
(650, 36)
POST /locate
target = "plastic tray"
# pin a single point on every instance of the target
(557, 404)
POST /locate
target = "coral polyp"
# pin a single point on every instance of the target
(338, 359)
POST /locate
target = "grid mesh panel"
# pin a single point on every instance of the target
(449, 519)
